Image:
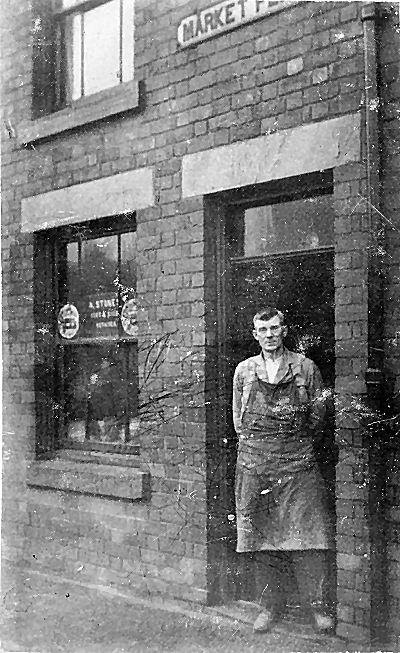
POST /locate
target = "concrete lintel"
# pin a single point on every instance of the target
(286, 153)
(113, 195)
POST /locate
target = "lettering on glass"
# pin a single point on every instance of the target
(103, 313)
(223, 17)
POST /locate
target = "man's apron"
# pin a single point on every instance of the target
(280, 494)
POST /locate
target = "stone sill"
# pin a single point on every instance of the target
(90, 477)
(95, 107)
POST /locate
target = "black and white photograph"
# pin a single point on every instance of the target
(200, 241)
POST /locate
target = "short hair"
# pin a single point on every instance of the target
(267, 313)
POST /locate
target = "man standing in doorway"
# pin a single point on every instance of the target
(278, 408)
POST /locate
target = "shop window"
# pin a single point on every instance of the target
(91, 307)
(81, 47)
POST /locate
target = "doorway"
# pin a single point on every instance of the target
(278, 245)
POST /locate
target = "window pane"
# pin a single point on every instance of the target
(98, 291)
(133, 393)
(98, 369)
(101, 47)
(127, 39)
(99, 264)
(128, 284)
(73, 273)
(288, 226)
(68, 4)
(98, 380)
(128, 262)
(73, 47)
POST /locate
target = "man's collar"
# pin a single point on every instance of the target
(289, 363)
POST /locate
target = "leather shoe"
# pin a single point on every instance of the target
(323, 623)
(264, 621)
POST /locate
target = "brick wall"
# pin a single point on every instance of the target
(390, 135)
(351, 314)
(297, 66)
(17, 252)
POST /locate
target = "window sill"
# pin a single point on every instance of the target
(96, 475)
(99, 106)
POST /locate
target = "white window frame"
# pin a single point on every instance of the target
(73, 87)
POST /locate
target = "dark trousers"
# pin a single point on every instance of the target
(310, 568)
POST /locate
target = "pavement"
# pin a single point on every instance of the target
(48, 614)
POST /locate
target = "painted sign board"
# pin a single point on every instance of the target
(223, 17)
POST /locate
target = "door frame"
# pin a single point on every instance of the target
(217, 273)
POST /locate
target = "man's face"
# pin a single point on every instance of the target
(270, 333)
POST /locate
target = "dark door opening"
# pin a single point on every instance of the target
(280, 254)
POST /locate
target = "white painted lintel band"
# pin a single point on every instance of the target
(286, 153)
(122, 193)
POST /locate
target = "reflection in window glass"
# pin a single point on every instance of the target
(127, 45)
(101, 393)
(99, 387)
(73, 48)
(101, 47)
(98, 301)
(128, 284)
(73, 254)
(289, 226)
(68, 4)
(128, 262)
(101, 283)
(73, 273)
(100, 264)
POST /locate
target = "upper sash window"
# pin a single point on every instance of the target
(80, 48)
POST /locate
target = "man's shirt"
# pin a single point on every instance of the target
(306, 374)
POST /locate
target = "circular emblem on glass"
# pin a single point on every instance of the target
(129, 317)
(68, 321)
